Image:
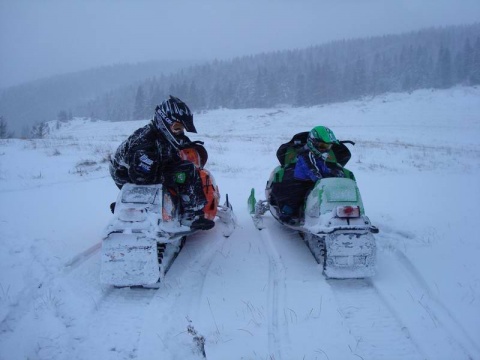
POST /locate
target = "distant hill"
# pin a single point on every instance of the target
(337, 71)
(42, 100)
(334, 72)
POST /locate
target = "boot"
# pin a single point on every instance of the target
(286, 215)
(201, 223)
(196, 220)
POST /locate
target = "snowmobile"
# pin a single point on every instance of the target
(147, 231)
(332, 219)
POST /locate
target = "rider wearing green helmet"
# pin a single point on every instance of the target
(310, 166)
(311, 161)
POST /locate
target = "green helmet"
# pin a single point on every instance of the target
(320, 140)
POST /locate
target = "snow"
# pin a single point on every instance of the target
(256, 294)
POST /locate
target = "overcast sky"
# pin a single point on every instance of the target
(44, 37)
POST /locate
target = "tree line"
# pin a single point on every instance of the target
(334, 72)
(38, 130)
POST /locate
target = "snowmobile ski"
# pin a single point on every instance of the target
(257, 209)
(227, 217)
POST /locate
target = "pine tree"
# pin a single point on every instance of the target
(444, 68)
(140, 104)
(475, 69)
(157, 95)
(40, 130)
(62, 116)
(359, 81)
(300, 91)
(4, 133)
(260, 93)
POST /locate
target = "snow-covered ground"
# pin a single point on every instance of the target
(257, 294)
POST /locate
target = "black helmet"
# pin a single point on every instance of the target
(173, 110)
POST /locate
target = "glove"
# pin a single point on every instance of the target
(338, 173)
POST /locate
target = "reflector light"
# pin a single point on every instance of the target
(348, 211)
(131, 214)
(359, 260)
(341, 260)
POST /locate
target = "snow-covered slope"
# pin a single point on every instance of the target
(255, 295)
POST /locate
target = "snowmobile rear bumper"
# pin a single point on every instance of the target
(350, 255)
(128, 259)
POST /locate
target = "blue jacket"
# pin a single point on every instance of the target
(310, 168)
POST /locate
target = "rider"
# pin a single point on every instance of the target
(151, 155)
(310, 166)
(312, 159)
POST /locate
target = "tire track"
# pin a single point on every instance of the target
(378, 332)
(37, 287)
(278, 333)
(114, 327)
(396, 315)
(175, 305)
(193, 263)
(111, 320)
(134, 314)
(81, 257)
(445, 326)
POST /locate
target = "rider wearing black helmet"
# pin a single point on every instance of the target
(151, 155)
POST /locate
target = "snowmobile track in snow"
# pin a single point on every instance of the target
(132, 310)
(34, 291)
(369, 315)
(278, 334)
(446, 327)
(123, 310)
(370, 320)
(83, 256)
(191, 268)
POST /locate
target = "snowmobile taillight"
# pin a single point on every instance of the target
(168, 208)
(348, 211)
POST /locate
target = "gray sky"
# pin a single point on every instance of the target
(44, 37)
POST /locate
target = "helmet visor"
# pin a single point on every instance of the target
(320, 145)
(188, 124)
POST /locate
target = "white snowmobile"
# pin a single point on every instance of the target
(332, 220)
(146, 234)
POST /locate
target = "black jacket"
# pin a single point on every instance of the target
(144, 156)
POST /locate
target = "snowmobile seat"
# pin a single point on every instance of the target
(288, 194)
(341, 152)
(195, 153)
(287, 152)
